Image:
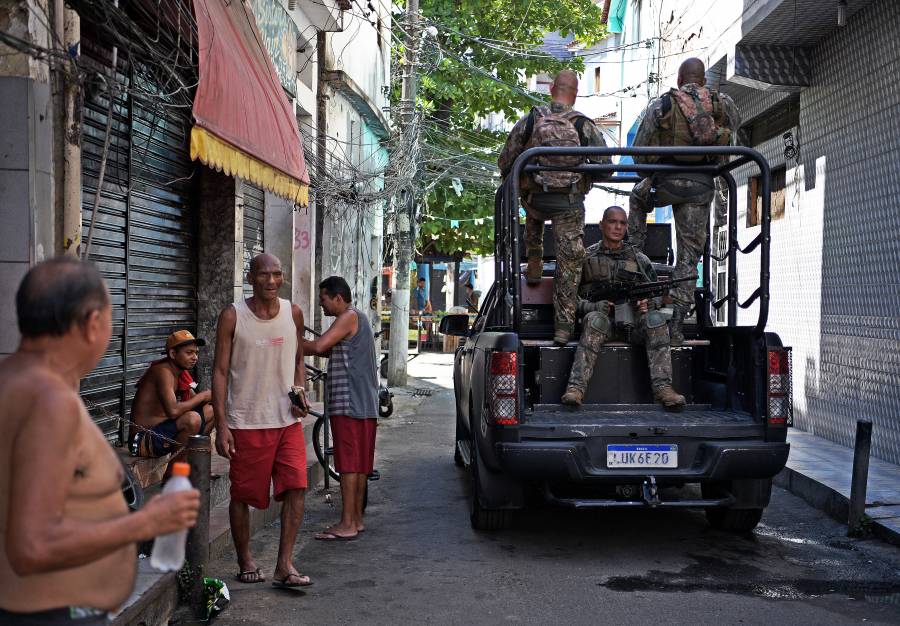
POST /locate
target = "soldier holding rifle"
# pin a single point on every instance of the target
(615, 271)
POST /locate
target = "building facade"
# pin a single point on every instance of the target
(98, 159)
(356, 82)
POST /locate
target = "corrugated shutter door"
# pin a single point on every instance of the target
(254, 228)
(144, 241)
(103, 389)
(162, 258)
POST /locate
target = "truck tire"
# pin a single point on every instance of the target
(729, 518)
(481, 518)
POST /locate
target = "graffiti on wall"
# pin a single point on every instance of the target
(280, 35)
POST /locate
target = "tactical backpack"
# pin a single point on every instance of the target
(693, 119)
(546, 129)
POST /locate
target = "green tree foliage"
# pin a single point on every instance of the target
(478, 64)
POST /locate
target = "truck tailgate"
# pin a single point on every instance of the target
(554, 443)
(637, 421)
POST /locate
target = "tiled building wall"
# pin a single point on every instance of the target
(836, 253)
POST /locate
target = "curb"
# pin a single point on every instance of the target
(820, 496)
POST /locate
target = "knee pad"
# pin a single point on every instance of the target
(597, 322)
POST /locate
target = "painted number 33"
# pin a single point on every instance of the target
(301, 239)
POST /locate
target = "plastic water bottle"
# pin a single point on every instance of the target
(168, 550)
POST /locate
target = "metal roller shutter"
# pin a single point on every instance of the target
(254, 228)
(144, 241)
(162, 255)
(104, 389)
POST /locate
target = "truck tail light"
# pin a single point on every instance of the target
(503, 392)
(780, 401)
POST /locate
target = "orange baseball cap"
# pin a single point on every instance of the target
(182, 338)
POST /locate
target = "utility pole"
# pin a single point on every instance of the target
(404, 207)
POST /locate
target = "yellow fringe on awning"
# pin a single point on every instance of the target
(224, 157)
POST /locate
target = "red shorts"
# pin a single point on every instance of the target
(264, 456)
(354, 444)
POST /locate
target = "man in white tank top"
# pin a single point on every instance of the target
(259, 358)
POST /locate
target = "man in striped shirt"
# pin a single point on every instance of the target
(351, 400)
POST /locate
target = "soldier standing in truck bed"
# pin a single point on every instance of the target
(555, 195)
(691, 115)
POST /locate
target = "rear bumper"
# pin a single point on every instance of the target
(584, 461)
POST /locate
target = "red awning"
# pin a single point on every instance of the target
(244, 124)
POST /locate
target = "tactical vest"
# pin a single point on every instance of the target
(610, 268)
(545, 128)
(693, 120)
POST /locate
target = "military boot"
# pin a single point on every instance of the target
(573, 396)
(676, 330)
(669, 398)
(534, 270)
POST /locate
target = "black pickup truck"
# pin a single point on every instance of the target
(619, 449)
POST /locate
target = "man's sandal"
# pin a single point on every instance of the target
(283, 584)
(250, 577)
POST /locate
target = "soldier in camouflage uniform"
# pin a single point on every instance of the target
(691, 115)
(557, 196)
(611, 263)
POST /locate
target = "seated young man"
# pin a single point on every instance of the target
(166, 411)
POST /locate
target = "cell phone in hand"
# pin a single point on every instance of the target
(294, 394)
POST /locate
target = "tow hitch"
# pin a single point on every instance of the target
(650, 492)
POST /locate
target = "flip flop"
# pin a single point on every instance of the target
(361, 530)
(330, 536)
(281, 584)
(240, 577)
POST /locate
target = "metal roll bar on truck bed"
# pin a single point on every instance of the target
(506, 214)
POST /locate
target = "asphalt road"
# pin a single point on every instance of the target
(420, 561)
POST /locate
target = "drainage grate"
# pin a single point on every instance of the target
(421, 393)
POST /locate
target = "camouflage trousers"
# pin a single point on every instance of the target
(691, 228)
(650, 329)
(568, 236)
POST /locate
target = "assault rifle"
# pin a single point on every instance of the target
(623, 296)
(634, 293)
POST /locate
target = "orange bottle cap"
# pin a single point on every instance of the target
(181, 469)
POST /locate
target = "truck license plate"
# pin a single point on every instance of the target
(627, 455)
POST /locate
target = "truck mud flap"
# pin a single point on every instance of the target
(498, 491)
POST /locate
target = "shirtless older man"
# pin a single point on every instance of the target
(67, 541)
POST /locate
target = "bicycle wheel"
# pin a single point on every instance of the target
(323, 452)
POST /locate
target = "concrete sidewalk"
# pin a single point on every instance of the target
(819, 471)
(155, 595)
